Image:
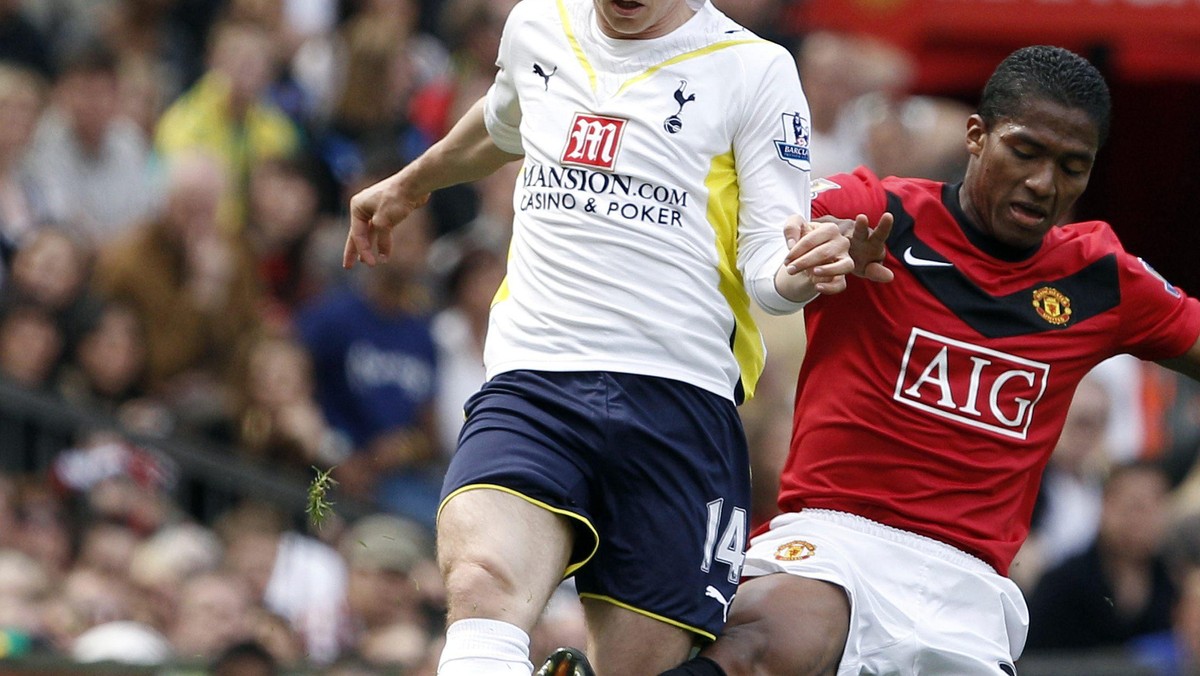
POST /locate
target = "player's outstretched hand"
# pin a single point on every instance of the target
(820, 252)
(868, 248)
(373, 213)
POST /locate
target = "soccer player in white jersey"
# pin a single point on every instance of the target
(664, 149)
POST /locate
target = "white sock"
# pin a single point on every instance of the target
(479, 647)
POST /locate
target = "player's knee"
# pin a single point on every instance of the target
(477, 576)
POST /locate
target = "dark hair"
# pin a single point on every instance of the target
(1046, 73)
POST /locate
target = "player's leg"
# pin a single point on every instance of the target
(782, 625)
(672, 498)
(514, 519)
(501, 558)
(624, 642)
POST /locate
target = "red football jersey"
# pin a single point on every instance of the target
(932, 403)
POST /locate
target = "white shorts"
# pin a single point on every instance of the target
(918, 607)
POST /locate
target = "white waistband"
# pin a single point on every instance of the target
(921, 543)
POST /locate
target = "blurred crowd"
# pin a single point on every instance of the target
(174, 176)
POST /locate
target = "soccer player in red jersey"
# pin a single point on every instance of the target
(927, 408)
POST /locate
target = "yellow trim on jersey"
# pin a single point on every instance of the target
(653, 616)
(591, 72)
(502, 291)
(722, 184)
(571, 567)
(575, 46)
(716, 46)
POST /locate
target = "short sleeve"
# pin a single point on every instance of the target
(502, 107)
(848, 195)
(1158, 320)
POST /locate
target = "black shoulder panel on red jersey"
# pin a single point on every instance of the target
(1045, 305)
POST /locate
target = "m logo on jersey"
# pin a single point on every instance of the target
(969, 384)
(594, 141)
(793, 147)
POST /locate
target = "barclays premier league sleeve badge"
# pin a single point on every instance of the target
(793, 147)
(1170, 288)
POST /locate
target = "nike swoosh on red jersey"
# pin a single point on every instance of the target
(924, 262)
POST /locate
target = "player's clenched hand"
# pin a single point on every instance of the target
(818, 252)
(373, 213)
(868, 247)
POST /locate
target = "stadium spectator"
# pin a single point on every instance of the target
(93, 163)
(52, 270)
(376, 372)
(1119, 588)
(228, 114)
(106, 371)
(838, 70)
(162, 562)
(195, 292)
(295, 576)
(23, 207)
(284, 212)
(216, 611)
(30, 346)
(279, 422)
(393, 625)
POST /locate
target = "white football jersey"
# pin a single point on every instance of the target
(657, 178)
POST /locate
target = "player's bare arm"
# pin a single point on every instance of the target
(465, 154)
(1188, 363)
(817, 261)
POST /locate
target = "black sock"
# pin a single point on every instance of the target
(698, 666)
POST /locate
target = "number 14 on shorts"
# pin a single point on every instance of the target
(730, 547)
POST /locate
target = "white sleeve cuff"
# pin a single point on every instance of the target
(763, 291)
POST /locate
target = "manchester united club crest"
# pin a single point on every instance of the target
(796, 550)
(1052, 305)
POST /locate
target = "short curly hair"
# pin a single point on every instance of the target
(1044, 72)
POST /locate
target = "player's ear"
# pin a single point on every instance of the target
(976, 132)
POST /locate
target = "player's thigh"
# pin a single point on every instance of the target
(514, 517)
(622, 642)
(501, 555)
(784, 625)
(672, 499)
(533, 435)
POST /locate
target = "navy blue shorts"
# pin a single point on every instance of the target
(654, 472)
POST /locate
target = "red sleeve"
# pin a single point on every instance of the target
(848, 195)
(1158, 320)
